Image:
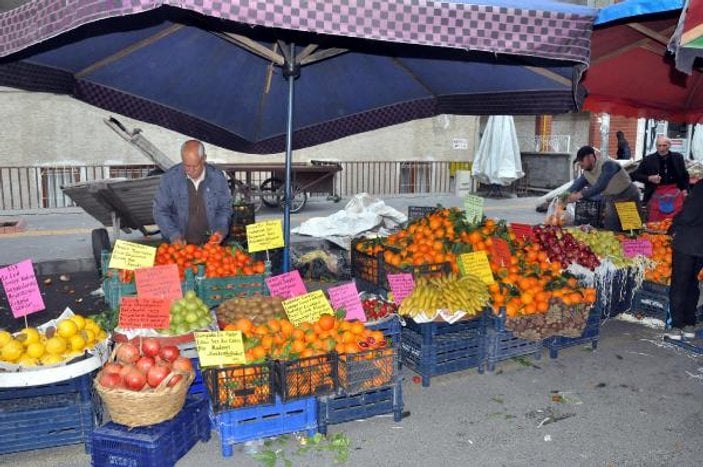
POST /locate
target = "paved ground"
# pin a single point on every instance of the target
(634, 401)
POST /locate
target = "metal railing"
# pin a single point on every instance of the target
(31, 187)
(552, 143)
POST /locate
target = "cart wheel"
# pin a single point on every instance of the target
(100, 241)
(241, 193)
(299, 199)
(272, 192)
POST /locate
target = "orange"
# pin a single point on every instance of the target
(326, 322)
(245, 325)
(357, 327)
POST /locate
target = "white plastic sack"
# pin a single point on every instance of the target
(498, 158)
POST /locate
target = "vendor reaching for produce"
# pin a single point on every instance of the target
(665, 181)
(607, 180)
(194, 201)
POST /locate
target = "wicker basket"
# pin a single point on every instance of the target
(146, 407)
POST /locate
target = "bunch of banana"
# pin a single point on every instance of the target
(452, 293)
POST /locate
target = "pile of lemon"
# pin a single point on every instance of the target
(30, 347)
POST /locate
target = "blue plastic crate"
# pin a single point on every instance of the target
(652, 305)
(501, 344)
(430, 330)
(44, 422)
(448, 353)
(156, 445)
(81, 386)
(197, 387)
(390, 327)
(590, 334)
(360, 406)
(655, 287)
(241, 425)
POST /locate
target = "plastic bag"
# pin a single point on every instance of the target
(560, 213)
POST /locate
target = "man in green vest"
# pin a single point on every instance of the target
(603, 179)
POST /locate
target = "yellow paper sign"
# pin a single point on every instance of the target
(220, 348)
(307, 308)
(131, 256)
(266, 235)
(476, 263)
(629, 216)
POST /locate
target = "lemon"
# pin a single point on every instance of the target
(77, 343)
(27, 360)
(35, 349)
(50, 359)
(29, 336)
(102, 335)
(92, 325)
(55, 346)
(5, 337)
(89, 337)
(79, 320)
(67, 328)
(11, 351)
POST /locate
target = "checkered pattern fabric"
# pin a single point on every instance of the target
(486, 28)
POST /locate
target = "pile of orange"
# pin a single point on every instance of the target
(661, 255)
(218, 260)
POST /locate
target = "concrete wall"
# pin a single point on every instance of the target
(47, 129)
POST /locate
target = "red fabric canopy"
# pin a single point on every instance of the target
(633, 75)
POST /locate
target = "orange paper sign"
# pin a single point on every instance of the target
(145, 312)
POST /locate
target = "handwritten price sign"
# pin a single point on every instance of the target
(21, 288)
(144, 313)
(637, 247)
(307, 308)
(131, 256)
(347, 296)
(476, 263)
(286, 285)
(401, 285)
(523, 230)
(629, 216)
(220, 348)
(159, 282)
(473, 205)
(500, 252)
(266, 235)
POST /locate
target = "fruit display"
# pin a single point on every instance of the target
(144, 370)
(559, 320)
(660, 272)
(188, 314)
(661, 226)
(258, 310)
(452, 293)
(603, 243)
(218, 260)
(69, 338)
(376, 308)
(561, 246)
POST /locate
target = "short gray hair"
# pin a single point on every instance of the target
(200, 145)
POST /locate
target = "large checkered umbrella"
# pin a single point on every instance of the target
(212, 69)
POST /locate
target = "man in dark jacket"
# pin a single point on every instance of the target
(194, 200)
(665, 181)
(687, 261)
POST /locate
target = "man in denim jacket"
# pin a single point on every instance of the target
(194, 200)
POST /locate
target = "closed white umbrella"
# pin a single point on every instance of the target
(497, 161)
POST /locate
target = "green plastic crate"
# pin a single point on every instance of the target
(215, 290)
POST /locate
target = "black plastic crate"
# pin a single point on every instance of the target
(360, 406)
(416, 212)
(590, 334)
(448, 353)
(655, 287)
(588, 212)
(239, 386)
(367, 370)
(306, 377)
(652, 305)
(366, 268)
(501, 344)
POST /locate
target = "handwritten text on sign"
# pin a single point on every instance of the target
(267, 235)
(159, 282)
(307, 308)
(144, 312)
(476, 263)
(500, 252)
(523, 230)
(473, 205)
(401, 285)
(21, 288)
(131, 256)
(347, 296)
(220, 348)
(640, 246)
(286, 285)
(629, 216)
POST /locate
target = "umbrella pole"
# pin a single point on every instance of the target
(290, 71)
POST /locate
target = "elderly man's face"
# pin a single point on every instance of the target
(193, 164)
(663, 147)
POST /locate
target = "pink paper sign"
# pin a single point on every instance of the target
(159, 282)
(286, 285)
(21, 288)
(347, 296)
(401, 285)
(640, 246)
(145, 313)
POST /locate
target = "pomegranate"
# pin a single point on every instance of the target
(110, 380)
(135, 380)
(156, 375)
(127, 353)
(144, 364)
(182, 365)
(170, 353)
(112, 368)
(151, 347)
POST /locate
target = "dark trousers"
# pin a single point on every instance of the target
(683, 293)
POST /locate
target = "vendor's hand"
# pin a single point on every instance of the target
(178, 241)
(685, 193)
(216, 238)
(573, 197)
(656, 179)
